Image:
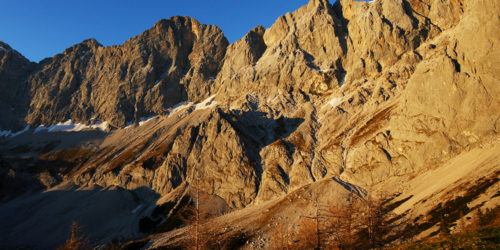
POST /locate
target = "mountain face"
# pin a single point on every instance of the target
(14, 69)
(174, 61)
(400, 97)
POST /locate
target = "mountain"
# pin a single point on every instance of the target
(14, 69)
(395, 99)
(173, 61)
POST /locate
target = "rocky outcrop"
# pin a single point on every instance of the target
(216, 153)
(300, 51)
(379, 33)
(446, 108)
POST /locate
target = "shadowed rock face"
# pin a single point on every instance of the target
(14, 97)
(371, 94)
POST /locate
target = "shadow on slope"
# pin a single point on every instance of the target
(31, 143)
(32, 162)
(43, 220)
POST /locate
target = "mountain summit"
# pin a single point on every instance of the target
(169, 63)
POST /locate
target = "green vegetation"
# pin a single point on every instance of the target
(484, 238)
(483, 232)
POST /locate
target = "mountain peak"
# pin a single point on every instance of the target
(91, 42)
(323, 3)
(4, 46)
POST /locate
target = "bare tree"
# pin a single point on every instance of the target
(197, 216)
(349, 223)
(357, 223)
(342, 223)
(479, 219)
(461, 223)
(76, 240)
(197, 213)
(376, 219)
(382, 225)
(313, 227)
(444, 226)
(307, 236)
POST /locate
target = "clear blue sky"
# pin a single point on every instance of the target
(43, 28)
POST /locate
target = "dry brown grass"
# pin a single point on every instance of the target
(280, 236)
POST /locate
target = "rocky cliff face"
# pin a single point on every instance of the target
(301, 51)
(176, 60)
(372, 95)
(14, 69)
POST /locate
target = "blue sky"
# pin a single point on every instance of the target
(43, 28)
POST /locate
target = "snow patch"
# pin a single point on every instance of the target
(178, 107)
(66, 126)
(334, 102)
(320, 70)
(40, 128)
(207, 103)
(145, 120)
(69, 126)
(137, 208)
(129, 125)
(5, 133)
(103, 126)
(9, 133)
(22, 131)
